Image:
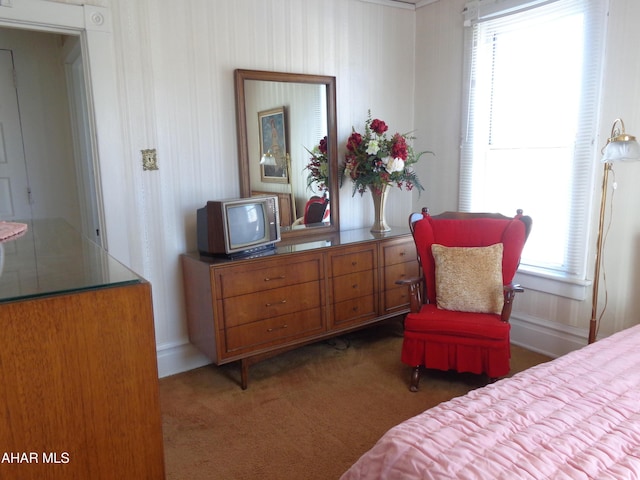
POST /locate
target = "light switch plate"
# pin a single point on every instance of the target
(149, 159)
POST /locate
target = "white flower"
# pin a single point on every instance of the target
(394, 165)
(373, 147)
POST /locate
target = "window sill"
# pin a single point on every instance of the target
(554, 284)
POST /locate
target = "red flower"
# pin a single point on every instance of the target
(379, 126)
(399, 148)
(323, 146)
(377, 158)
(354, 141)
(318, 167)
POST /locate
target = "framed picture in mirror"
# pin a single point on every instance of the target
(273, 146)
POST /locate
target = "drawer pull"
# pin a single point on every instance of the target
(353, 264)
(281, 327)
(268, 279)
(355, 285)
(277, 303)
(402, 254)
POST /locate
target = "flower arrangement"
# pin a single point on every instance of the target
(375, 159)
(318, 167)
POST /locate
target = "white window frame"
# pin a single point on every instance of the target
(570, 280)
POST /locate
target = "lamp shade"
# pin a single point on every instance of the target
(621, 151)
(268, 159)
(620, 147)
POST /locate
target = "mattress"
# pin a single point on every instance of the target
(575, 417)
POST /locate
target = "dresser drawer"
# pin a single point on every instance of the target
(352, 286)
(400, 253)
(264, 332)
(271, 303)
(396, 298)
(352, 262)
(399, 271)
(248, 279)
(354, 309)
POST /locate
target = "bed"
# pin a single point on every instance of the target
(575, 417)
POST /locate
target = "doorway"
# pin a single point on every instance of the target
(51, 171)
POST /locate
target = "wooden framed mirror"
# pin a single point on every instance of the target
(280, 118)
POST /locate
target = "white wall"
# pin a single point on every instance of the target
(175, 72)
(439, 49)
(548, 323)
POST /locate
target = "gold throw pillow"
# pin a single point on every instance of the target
(469, 279)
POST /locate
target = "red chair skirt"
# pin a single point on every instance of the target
(431, 339)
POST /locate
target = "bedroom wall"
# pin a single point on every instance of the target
(174, 69)
(176, 63)
(548, 323)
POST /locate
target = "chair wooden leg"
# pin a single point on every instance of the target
(415, 379)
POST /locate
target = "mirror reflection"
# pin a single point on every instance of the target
(284, 146)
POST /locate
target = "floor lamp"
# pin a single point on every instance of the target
(620, 147)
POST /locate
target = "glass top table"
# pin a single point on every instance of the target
(53, 258)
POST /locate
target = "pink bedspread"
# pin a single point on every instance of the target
(576, 417)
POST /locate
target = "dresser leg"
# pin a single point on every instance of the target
(244, 373)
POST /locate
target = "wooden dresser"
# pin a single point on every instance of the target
(79, 390)
(248, 309)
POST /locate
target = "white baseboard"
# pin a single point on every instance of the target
(538, 335)
(542, 336)
(178, 358)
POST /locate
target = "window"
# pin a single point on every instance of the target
(533, 69)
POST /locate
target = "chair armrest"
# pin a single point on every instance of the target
(415, 292)
(515, 287)
(510, 291)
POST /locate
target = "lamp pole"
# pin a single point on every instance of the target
(593, 324)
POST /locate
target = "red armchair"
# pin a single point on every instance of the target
(461, 305)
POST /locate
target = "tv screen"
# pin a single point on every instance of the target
(246, 224)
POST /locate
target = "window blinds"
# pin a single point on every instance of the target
(533, 72)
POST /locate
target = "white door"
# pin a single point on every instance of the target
(14, 182)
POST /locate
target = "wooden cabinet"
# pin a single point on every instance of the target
(79, 391)
(249, 309)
